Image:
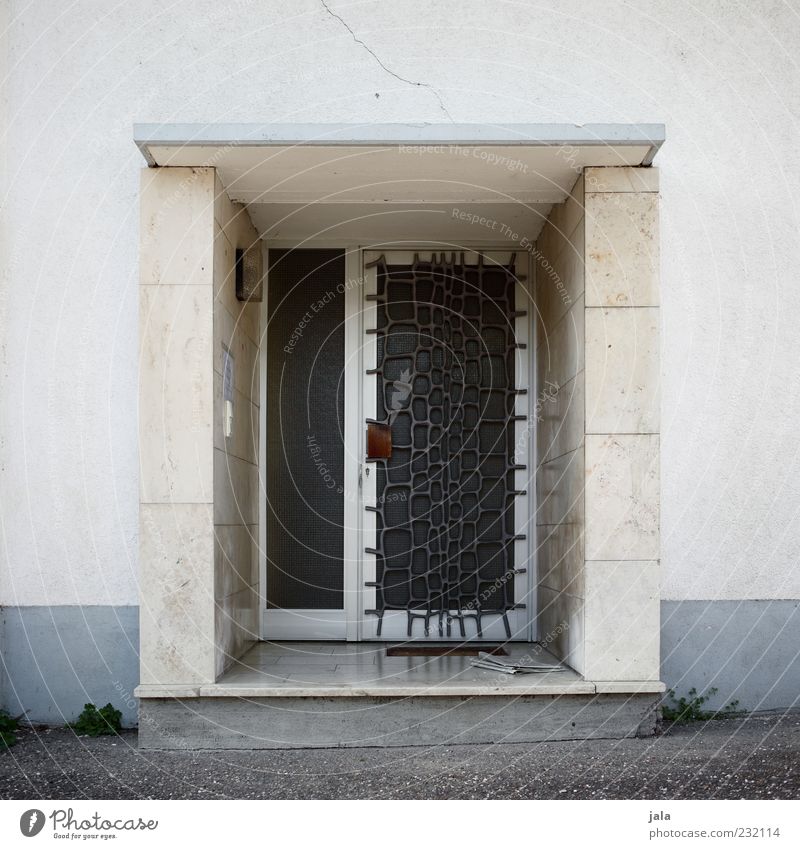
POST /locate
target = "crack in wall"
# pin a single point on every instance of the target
(375, 56)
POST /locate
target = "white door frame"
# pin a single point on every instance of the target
(350, 623)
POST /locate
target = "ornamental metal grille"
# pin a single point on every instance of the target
(445, 498)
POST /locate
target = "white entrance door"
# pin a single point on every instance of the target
(430, 543)
(445, 399)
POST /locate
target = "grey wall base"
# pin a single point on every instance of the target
(55, 659)
(302, 723)
(747, 649)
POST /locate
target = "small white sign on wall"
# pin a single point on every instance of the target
(227, 390)
(227, 374)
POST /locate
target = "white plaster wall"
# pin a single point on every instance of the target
(722, 75)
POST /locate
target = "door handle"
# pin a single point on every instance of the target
(379, 441)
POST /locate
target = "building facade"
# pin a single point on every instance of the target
(628, 172)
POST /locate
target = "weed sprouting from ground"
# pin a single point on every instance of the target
(94, 722)
(689, 708)
(8, 727)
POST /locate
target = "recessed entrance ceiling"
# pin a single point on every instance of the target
(453, 223)
(339, 181)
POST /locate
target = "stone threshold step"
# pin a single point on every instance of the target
(399, 690)
(303, 723)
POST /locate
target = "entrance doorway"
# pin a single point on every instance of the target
(582, 206)
(426, 536)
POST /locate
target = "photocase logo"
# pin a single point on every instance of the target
(31, 822)
(64, 820)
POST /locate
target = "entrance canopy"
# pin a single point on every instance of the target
(328, 179)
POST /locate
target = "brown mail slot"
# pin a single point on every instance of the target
(379, 441)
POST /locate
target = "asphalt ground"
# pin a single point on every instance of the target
(757, 757)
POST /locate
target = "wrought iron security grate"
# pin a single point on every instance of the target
(445, 498)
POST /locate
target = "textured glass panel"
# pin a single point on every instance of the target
(305, 427)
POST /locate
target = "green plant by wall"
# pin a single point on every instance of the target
(94, 722)
(689, 708)
(8, 725)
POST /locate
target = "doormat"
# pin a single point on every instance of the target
(470, 650)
